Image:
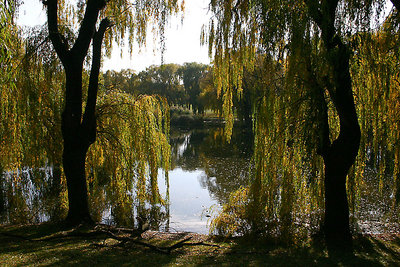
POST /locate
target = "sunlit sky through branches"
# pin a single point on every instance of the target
(182, 40)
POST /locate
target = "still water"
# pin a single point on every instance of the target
(205, 170)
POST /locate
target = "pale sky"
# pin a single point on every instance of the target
(182, 40)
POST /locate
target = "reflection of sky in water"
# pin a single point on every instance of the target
(189, 201)
(182, 148)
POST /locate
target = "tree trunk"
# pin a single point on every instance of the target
(343, 151)
(75, 147)
(74, 168)
(336, 222)
(339, 155)
(78, 130)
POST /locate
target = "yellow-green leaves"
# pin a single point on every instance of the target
(375, 72)
(132, 143)
(131, 20)
(233, 37)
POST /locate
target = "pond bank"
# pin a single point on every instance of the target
(83, 251)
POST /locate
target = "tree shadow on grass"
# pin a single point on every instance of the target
(73, 253)
(19, 246)
(368, 251)
(80, 251)
(389, 247)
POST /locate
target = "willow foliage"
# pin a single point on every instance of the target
(287, 180)
(376, 76)
(10, 54)
(99, 22)
(133, 140)
(237, 31)
(286, 188)
(130, 19)
(132, 145)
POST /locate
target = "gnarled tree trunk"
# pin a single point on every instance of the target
(341, 154)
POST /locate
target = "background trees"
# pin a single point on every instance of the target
(191, 74)
(189, 86)
(161, 80)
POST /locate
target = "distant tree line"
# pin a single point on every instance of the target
(182, 85)
(190, 86)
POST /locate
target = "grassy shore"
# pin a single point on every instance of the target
(44, 245)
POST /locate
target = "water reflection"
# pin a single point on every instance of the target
(31, 196)
(205, 170)
(376, 212)
(189, 202)
(225, 166)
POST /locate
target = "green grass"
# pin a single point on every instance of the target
(80, 251)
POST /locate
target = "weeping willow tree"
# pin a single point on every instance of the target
(27, 99)
(97, 22)
(286, 188)
(9, 52)
(29, 130)
(308, 112)
(39, 85)
(132, 144)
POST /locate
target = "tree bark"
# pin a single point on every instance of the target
(78, 130)
(74, 168)
(75, 148)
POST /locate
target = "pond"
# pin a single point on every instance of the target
(205, 170)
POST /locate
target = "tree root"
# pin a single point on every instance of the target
(164, 250)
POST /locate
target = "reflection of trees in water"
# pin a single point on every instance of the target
(185, 151)
(38, 195)
(31, 196)
(35, 195)
(376, 211)
(123, 201)
(226, 165)
(227, 168)
(225, 175)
